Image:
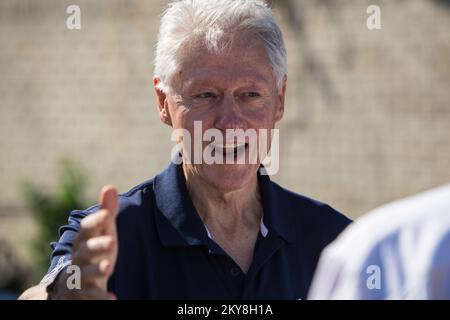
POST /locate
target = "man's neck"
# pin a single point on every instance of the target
(230, 211)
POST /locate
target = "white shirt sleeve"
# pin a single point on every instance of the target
(400, 251)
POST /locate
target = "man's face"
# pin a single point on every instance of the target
(233, 90)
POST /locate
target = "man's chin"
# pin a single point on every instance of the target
(229, 177)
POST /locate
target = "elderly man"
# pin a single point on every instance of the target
(202, 230)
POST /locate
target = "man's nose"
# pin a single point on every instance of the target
(229, 115)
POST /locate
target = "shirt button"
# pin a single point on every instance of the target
(235, 271)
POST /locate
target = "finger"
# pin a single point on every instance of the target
(95, 224)
(96, 275)
(94, 250)
(109, 199)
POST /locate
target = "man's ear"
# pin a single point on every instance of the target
(281, 99)
(161, 103)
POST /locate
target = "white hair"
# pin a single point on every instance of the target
(207, 22)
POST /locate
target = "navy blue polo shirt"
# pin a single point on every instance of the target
(165, 251)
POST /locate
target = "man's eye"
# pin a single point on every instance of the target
(205, 95)
(252, 94)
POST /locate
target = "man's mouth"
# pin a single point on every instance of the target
(230, 149)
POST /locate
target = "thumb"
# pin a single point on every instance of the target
(109, 199)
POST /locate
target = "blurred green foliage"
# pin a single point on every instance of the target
(51, 211)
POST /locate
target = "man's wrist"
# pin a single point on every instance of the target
(53, 279)
(54, 288)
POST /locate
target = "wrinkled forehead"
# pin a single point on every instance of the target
(241, 57)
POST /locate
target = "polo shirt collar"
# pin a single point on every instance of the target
(173, 201)
(179, 224)
(278, 215)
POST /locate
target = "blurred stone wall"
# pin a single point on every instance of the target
(368, 112)
(367, 115)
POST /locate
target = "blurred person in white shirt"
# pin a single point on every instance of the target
(398, 251)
